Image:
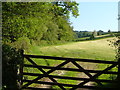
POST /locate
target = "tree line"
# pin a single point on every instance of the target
(91, 34)
(37, 22)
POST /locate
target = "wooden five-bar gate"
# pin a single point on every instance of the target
(92, 74)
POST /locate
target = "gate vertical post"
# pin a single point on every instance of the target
(21, 68)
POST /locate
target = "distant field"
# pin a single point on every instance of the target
(97, 49)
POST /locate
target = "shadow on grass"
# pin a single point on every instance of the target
(115, 85)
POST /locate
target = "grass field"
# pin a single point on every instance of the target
(96, 49)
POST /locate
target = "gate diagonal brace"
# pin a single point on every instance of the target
(95, 76)
(46, 73)
(86, 72)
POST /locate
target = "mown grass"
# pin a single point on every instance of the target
(96, 49)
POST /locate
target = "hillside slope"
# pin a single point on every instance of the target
(97, 49)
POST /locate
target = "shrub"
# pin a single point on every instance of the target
(22, 43)
(11, 59)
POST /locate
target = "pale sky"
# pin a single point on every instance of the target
(96, 16)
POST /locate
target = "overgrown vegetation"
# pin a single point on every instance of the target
(11, 59)
(117, 46)
(37, 22)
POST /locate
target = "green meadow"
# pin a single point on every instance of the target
(95, 49)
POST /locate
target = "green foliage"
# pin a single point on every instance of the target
(100, 32)
(64, 8)
(38, 21)
(10, 61)
(65, 31)
(14, 28)
(22, 43)
(81, 34)
(92, 37)
(94, 34)
(116, 43)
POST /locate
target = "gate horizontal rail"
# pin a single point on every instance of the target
(71, 59)
(53, 78)
(69, 85)
(71, 69)
(71, 78)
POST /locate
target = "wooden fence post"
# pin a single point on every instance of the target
(21, 68)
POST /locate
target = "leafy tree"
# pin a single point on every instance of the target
(38, 21)
(100, 32)
(25, 22)
(109, 31)
(94, 34)
(64, 8)
(81, 34)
